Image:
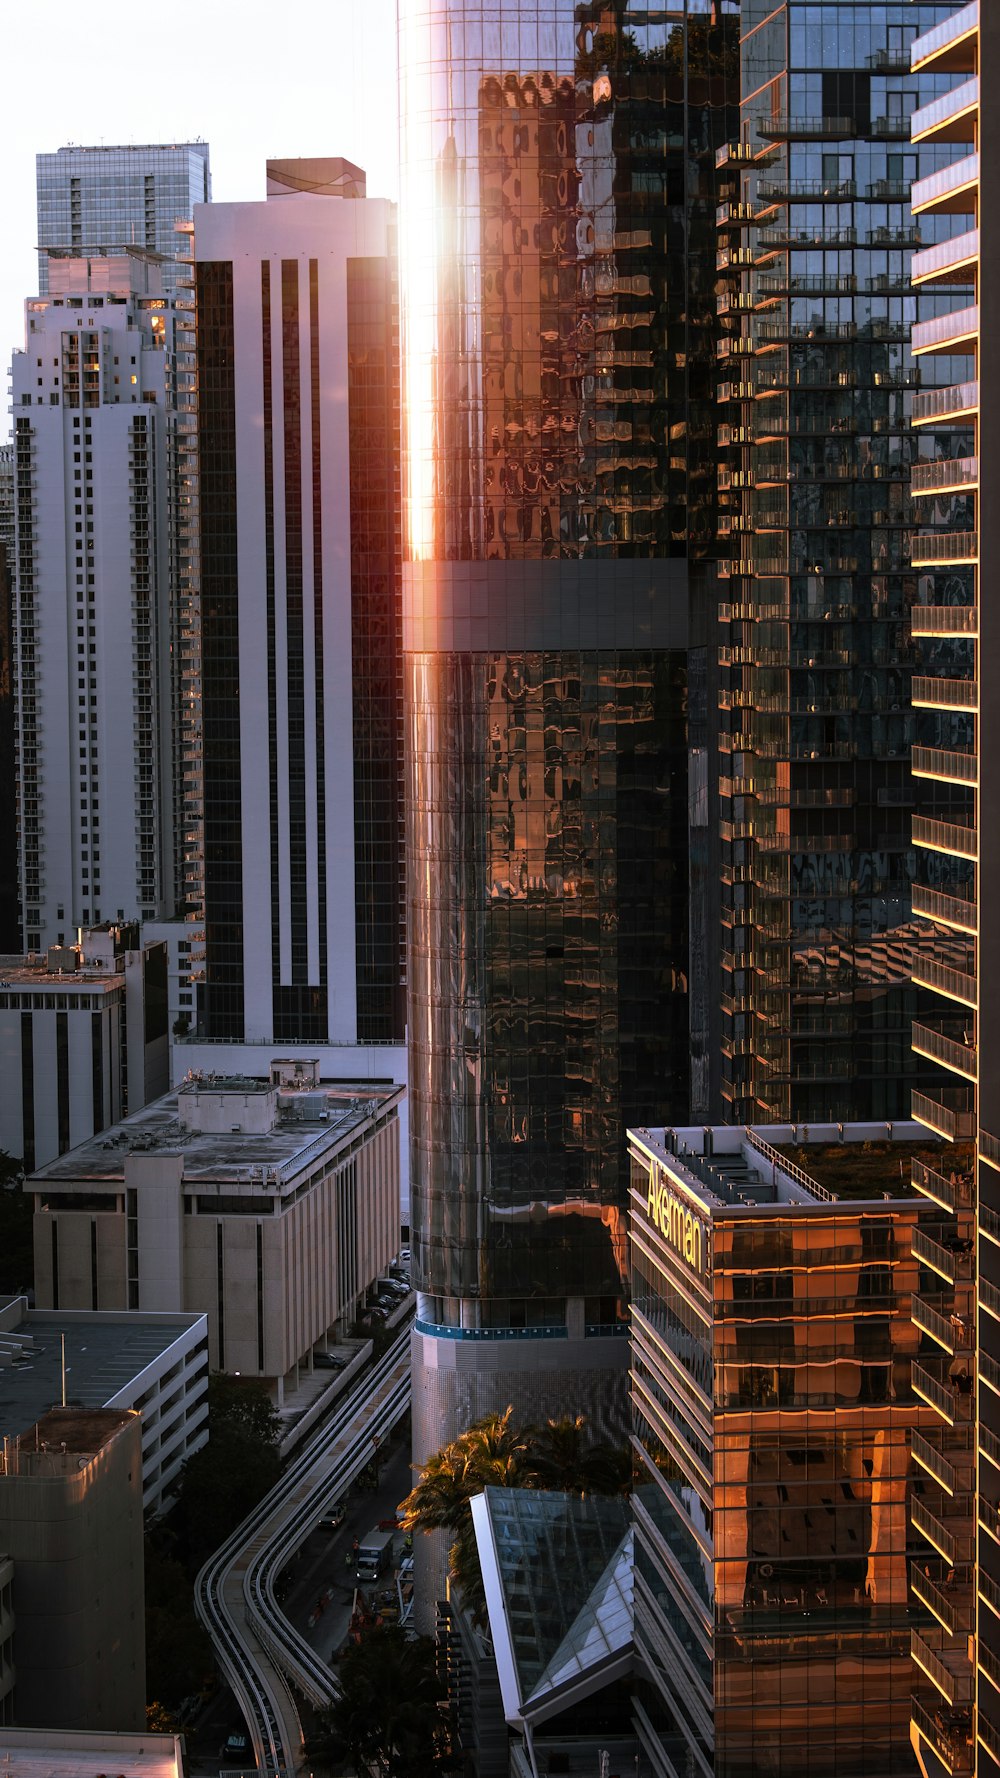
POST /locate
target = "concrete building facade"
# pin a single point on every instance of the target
(156, 1364)
(97, 470)
(83, 1040)
(270, 1205)
(71, 1522)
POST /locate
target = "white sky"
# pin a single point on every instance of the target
(253, 77)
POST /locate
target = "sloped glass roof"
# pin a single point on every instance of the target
(564, 1567)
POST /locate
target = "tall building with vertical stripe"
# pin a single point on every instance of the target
(300, 661)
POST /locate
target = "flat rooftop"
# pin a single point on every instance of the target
(103, 1355)
(313, 1122)
(731, 1167)
(16, 973)
(68, 1753)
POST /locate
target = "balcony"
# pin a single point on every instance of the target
(779, 190)
(953, 1193)
(947, 262)
(953, 984)
(951, 118)
(949, 475)
(954, 1545)
(944, 694)
(953, 837)
(954, 332)
(806, 129)
(946, 765)
(945, 1464)
(950, 47)
(947, 1733)
(952, 1332)
(950, 1111)
(951, 1043)
(959, 401)
(932, 549)
(950, 191)
(951, 1605)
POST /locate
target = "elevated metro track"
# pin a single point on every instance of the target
(260, 1652)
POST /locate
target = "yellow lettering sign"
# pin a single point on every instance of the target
(676, 1225)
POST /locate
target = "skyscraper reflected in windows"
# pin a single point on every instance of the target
(557, 202)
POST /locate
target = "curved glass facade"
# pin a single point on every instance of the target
(558, 325)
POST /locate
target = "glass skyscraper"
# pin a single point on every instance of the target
(557, 234)
(103, 199)
(817, 382)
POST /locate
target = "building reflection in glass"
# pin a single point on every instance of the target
(558, 326)
(773, 1414)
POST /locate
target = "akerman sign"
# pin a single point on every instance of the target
(676, 1224)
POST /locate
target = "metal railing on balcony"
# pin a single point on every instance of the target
(951, 1605)
(946, 258)
(945, 694)
(952, 332)
(954, 1678)
(943, 35)
(947, 111)
(949, 910)
(944, 476)
(776, 129)
(954, 1049)
(958, 399)
(933, 1382)
(928, 548)
(946, 836)
(947, 183)
(951, 1331)
(946, 764)
(953, 1191)
(950, 1111)
(951, 1742)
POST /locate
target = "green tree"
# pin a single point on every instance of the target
(178, 1652)
(494, 1453)
(387, 1722)
(562, 1456)
(223, 1481)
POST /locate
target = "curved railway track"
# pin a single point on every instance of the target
(256, 1646)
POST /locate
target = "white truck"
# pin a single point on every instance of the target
(374, 1555)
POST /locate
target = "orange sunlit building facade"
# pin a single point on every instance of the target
(776, 1613)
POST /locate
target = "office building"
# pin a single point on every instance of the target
(816, 239)
(104, 199)
(111, 1358)
(10, 928)
(299, 651)
(99, 481)
(271, 1205)
(71, 1523)
(559, 473)
(773, 1281)
(956, 1707)
(83, 1040)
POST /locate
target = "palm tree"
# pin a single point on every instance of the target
(387, 1722)
(562, 1457)
(493, 1453)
